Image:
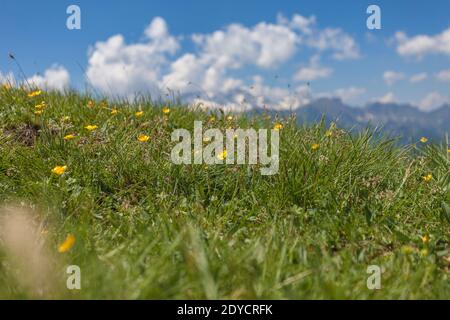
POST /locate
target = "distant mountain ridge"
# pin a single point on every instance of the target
(404, 121)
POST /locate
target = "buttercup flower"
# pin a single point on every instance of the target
(427, 178)
(91, 127)
(229, 118)
(143, 138)
(69, 137)
(34, 93)
(59, 170)
(278, 126)
(426, 239)
(66, 118)
(40, 106)
(222, 155)
(166, 110)
(329, 133)
(423, 140)
(139, 114)
(38, 112)
(315, 146)
(114, 111)
(67, 244)
(90, 104)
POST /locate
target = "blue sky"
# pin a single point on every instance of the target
(408, 60)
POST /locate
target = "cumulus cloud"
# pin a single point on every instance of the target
(422, 45)
(432, 101)
(443, 75)
(209, 72)
(117, 68)
(313, 71)
(387, 98)
(54, 78)
(419, 77)
(391, 77)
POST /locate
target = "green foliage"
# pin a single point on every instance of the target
(146, 228)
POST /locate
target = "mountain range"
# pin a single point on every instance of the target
(402, 121)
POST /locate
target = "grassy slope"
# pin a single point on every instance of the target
(146, 228)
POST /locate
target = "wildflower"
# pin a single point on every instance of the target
(448, 150)
(143, 138)
(212, 119)
(90, 104)
(424, 252)
(427, 178)
(114, 111)
(69, 137)
(329, 134)
(166, 110)
(315, 146)
(91, 127)
(67, 244)
(7, 86)
(222, 155)
(40, 106)
(34, 93)
(423, 140)
(38, 112)
(66, 118)
(229, 118)
(425, 239)
(59, 170)
(139, 114)
(278, 126)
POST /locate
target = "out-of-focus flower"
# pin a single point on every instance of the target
(139, 114)
(166, 110)
(91, 127)
(34, 93)
(143, 138)
(222, 155)
(278, 126)
(423, 140)
(67, 244)
(59, 170)
(428, 177)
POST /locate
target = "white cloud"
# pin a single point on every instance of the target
(56, 78)
(313, 71)
(443, 75)
(387, 98)
(422, 45)
(7, 78)
(209, 71)
(432, 101)
(390, 77)
(347, 95)
(120, 69)
(419, 77)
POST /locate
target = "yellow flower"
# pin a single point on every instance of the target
(90, 104)
(91, 127)
(40, 106)
(38, 112)
(229, 118)
(426, 239)
(212, 119)
(329, 133)
(222, 155)
(114, 111)
(278, 126)
(67, 244)
(166, 110)
(143, 138)
(139, 114)
(59, 170)
(424, 252)
(315, 146)
(448, 150)
(423, 140)
(34, 93)
(7, 86)
(69, 137)
(427, 178)
(66, 118)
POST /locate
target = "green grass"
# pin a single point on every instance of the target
(146, 228)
